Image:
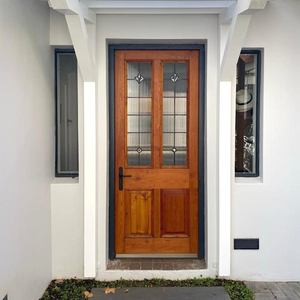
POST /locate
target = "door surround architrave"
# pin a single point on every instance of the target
(202, 93)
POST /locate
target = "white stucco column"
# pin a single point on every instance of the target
(234, 42)
(89, 180)
(225, 165)
(80, 40)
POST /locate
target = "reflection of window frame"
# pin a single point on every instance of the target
(257, 131)
(57, 172)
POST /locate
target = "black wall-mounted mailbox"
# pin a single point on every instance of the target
(246, 244)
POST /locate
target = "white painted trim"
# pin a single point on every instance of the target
(244, 7)
(158, 4)
(81, 43)
(73, 7)
(225, 179)
(80, 40)
(89, 173)
(158, 11)
(236, 37)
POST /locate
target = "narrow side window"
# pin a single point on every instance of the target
(66, 114)
(247, 114)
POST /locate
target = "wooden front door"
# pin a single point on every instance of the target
(156, 157)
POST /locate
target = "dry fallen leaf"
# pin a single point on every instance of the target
(59, 281)
(109, 290)
(126, 291)
(88, 294)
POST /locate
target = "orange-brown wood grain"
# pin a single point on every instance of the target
(138, 213)
(175, 213)
(157, 211)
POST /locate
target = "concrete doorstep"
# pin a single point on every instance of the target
(163, 293)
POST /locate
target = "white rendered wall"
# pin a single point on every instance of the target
(269, 207)
(67, 224)
(67, 214)
(67, 228)
(27, 148)
(157, 29)
(59, 32)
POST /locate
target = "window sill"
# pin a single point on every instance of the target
(248, 180)
(64, 180)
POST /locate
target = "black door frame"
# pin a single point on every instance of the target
(202, 93)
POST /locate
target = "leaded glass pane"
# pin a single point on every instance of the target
(145, 158)
(169, 88)
(168, 140)
(180, 106)
(168, 123)
(180, 88)
(168, 158)
(133, 123)
(145, 106)
(145, 124)
(180, 123)
(180, 158)
(132, 70)
(168, 106)
(145, 88)
(145, 70)
(181, 70)
(139, 114)
(133, 105)
(133, 88)
(145, 141)
(174, 114)
(133, 141)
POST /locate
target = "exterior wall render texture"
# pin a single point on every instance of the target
(157, 29)
(27, 148)
(266, 207)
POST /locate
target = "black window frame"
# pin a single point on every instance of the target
(57, 174)
(258, 121)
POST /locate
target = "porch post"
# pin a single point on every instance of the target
(89, 180)
(79, 36)
(76, 14)
(225, 177)
(235, 40)
(239, 16)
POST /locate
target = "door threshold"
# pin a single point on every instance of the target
(156, 264)
(157, 255)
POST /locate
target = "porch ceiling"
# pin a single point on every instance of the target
(158, 6)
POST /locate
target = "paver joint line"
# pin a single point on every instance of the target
(275, 290)
(164, 293)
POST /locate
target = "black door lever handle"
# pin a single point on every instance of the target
(121, 178)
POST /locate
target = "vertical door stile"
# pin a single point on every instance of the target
(157, 132)
(120, 150)
(193, 149)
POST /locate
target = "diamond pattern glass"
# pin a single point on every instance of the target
(139, 113)
(174, 114)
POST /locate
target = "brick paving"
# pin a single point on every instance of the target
(156, 264)
(275, 290)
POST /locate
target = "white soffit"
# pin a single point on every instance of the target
(158, 6)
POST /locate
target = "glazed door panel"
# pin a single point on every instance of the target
(156, 157)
